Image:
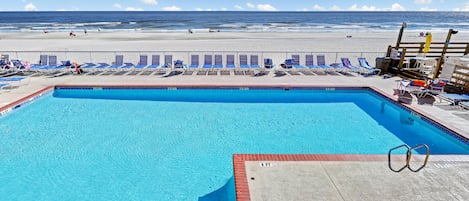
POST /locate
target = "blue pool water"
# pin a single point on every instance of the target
(146, 144)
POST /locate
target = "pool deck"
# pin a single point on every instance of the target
(314, 177)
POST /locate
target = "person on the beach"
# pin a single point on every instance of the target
(190, 31)
(86, 32)
(72, 34)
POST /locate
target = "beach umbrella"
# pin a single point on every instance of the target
(428, 42)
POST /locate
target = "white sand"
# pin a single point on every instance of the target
(334, 45)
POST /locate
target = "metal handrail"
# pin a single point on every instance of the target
(407, 158)
(427, 154)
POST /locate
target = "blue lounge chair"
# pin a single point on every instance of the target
(230, 61)
(168, 61)
(255, 61)
(454, 99)
(52, 63)
(218, 63)
(364, 64)
(268, 63)
(243, 61)
(142, 63)
(178, 64)
(464, 105)
(208, 61)
(321, 59)
(296, 61)
(288, 63)
(102, 66)
(118, 63)
(3, 85)
(155, 62)
(194, 61)
(43, 62)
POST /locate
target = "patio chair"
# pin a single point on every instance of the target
(230, 61)
(208, 61)
(243, 61)
(296, 61)
(453, 99)
(194, 61)
(118, 63)
(364, 64)
(218, 61)
(168, 61)
(346, 62)
(254, 61)
(142, 63)
(268, 63)
(309, 62)
(155, 62)
(321, 59)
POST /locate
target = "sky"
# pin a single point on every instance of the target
(235, 5)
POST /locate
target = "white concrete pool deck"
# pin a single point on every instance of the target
(445, 177)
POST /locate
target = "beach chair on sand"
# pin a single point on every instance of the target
(296, 61)
(208, 62)
(364, 64)
(230, 61)
(218, 63)
(254, 62)
(194, 61)
(243, 61)
(155, 62)
(142, 63)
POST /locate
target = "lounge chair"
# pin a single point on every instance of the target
(155, 62)
(118, 63)
(309, 62)
(255, 62)
(208, 61)
(230, 61)
(43, 62)
(142, 63)
(346, 62)
(464, 105)
(168, 61)
(243, 61)
(417, 87)
(364, 64)
(194, 61)
(218, 61)
(296, 61)
(454, 99)
(178, 64)
(268, 63)
(288, 63)
(321, 59)
(3, 85)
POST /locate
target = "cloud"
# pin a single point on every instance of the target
(318, 7)
(397, 7)
(464, 8)
(30, 7)
(335, 8)
(151, 2)
(250, 5)
(118, 6)
(428, 9)
(354, 7)
(133, 9)
(171, 8)
(238, 7)
(266, 7)
(302, 9)
(422, 1)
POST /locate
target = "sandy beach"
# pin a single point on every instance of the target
(370, 44)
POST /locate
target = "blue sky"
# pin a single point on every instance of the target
(235, 5)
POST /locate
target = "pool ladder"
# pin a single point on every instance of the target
(409, 157)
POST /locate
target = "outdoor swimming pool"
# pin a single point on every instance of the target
(167, 144)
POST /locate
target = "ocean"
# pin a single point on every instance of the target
(229, 21)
